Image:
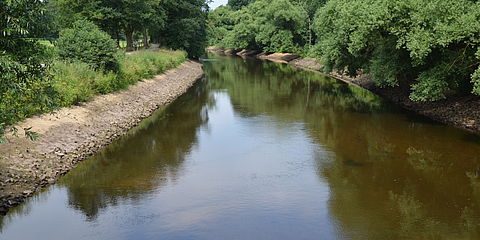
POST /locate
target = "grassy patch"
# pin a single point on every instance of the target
(141, 65)
(67, 84)
(79, 82)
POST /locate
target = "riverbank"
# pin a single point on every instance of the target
(72, 134)
(460, 111)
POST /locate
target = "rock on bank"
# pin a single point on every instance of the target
(72, 134)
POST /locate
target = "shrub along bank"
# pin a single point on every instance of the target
(78, 82)
(430, 46)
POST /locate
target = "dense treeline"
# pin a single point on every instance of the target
(82, 57)
(173, 23)
(432, 45)
(272, 26)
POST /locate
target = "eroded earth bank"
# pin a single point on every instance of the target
(70, 135)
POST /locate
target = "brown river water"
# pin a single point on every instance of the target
(264, 151)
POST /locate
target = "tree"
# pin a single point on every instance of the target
(186, 26)
(433, 42)
(137, 15)
(281, 25)
(220, 22)
(310, 7)
(238, 4)
(114, 16)
(269, 25)
(25, 87)
(242, 35)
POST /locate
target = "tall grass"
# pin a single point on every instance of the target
(79, 82)
(146, 64)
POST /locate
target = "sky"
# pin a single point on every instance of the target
(217, 3)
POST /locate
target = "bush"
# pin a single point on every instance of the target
(85, 42)
(79, 82)
(25, 86)
(429, 44)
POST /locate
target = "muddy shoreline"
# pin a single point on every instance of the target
(72, 134)
(461, 111)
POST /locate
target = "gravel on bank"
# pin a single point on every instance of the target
(462, 111)
(72, 134)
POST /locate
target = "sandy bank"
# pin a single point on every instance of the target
(72, 134)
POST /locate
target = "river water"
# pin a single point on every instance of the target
(264, 151)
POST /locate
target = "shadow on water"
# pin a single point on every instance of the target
(117, 174)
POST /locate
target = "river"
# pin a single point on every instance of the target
(264, 151)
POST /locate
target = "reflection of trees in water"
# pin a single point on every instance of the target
(148, 158)
(408, 187)
(286, 89)
(392, 177)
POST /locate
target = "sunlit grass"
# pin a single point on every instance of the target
(79, 82)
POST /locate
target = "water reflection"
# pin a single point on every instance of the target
(265, 151)
(395, 176)
(153, 158)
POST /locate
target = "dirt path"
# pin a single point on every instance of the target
(72, 134)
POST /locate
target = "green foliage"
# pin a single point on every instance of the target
(431, 41)
(85, 42)
(476, 77)
(76, 82)
(267, 25)
(177, 24)
(19, 18)
(146, 64)
(242, 36)
(311, 6)
(431, 86)
(79, 82)
(110, 15)
(2, 132)
(220, 22)
(281, 25)
(476, 82)
(238, 4)
(186, 26)
(25, 86)
(387, 63)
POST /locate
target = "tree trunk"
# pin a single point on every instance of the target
(118, 39)
(145, 37)
(129, 36)
(310, 35)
